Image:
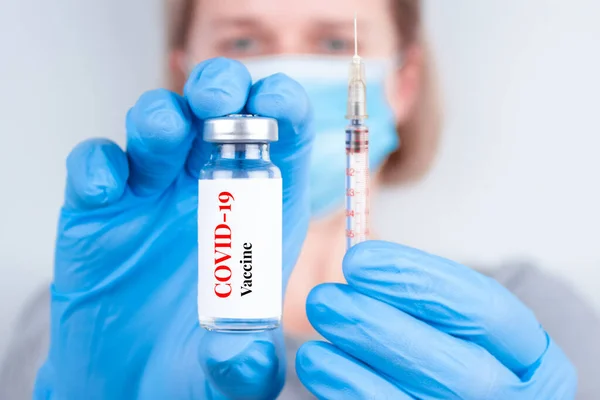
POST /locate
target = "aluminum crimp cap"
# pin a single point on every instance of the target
(240, 128)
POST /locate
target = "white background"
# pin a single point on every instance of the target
(517, 175)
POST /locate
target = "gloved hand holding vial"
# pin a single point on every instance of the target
(126, 281)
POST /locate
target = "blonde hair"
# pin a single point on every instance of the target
(419, 134)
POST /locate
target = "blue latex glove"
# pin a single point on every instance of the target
(124, 319)
(410, 325)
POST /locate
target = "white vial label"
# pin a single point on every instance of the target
(239, 248)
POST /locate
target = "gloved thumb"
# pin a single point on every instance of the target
(244, 365)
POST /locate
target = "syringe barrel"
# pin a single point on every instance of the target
(357, 183)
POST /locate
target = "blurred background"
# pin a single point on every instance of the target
(517, 174)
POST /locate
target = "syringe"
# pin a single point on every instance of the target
(357, 153)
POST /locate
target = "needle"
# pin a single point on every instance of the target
(355, 37)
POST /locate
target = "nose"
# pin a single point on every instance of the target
(290, 43)
(292, 40)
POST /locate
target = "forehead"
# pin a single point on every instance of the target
(283, 12)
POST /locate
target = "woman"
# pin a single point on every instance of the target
(405, 324)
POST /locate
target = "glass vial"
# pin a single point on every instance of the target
(239, 227)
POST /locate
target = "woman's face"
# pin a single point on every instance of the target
(247, 28)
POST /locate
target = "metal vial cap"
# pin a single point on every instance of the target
(240, 128)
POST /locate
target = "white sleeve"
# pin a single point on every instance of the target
(566, 315)
(27, 349)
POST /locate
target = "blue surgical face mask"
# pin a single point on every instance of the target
(326, 82)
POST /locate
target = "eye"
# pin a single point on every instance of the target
(241, 45)
(336, 45)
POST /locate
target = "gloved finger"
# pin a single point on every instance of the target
(450, 297)
(280, 97)
(216, 87)
(244, 366)
(553, 376)
(423, 361)
(159, 138)
(97, 174)
(330, 374)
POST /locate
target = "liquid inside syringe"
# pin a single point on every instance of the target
(357, 153)
(357, 183)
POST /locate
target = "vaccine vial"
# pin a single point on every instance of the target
(239, 227)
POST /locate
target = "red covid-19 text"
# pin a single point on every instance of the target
(222, 241)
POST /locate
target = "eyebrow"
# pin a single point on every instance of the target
(240, 22)
(336, 25)
(245, 22)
